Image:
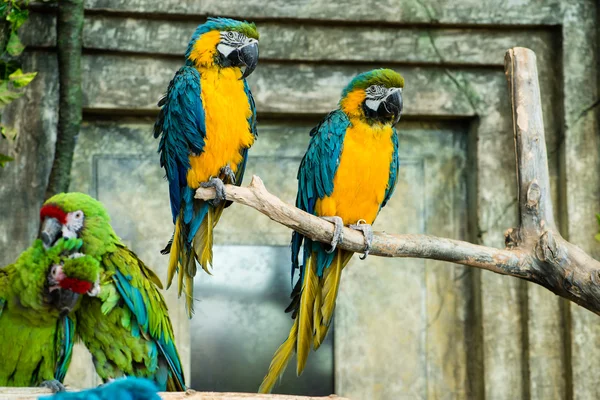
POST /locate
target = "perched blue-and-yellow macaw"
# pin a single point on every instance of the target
(208, 123)
(346, 176)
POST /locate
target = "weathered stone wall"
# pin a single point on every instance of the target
(404, 328)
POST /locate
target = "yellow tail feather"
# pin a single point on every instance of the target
(207, 252)
(189, 294)
(329, 287)
(310, 285)
(331, 284)
(203, 241)
(175, 250)
(317, 318)
(280, 360)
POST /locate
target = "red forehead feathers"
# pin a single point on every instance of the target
(76, 285)
(52, 211)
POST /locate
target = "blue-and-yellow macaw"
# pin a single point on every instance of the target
(208, 123)
(346, 176)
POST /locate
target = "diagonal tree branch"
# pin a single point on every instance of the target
(255, 195)
(535, 250)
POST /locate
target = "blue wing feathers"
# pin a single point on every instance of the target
(133, 298)
(395, 165)
(200, 212)
(252, 119)
(181, 123)
(67, 329)
(315, 181)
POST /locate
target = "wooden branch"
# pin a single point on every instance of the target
(26, 393)
(69, 28)
(535, 202)
(255, 195)
(535, 250)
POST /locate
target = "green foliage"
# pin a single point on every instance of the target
(13, 14)
(598, 234)
(19, 79)
(4, 159)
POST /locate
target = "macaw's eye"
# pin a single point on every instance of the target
(375, 92)
(230, 35)
(78, 215)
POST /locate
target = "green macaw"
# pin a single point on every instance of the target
(127, 327)
(36, 294)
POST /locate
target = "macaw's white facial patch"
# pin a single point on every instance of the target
(55, 276)
(74, 224)
(225, 49)
(376, 94)
(231, 41)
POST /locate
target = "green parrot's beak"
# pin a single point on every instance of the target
(64, 300)
(51, 231)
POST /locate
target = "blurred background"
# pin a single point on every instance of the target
(404, 329)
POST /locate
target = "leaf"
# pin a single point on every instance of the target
(19, 79)
(7, 67)
(3, 8)
(4, 159)
(7, 95)
(17, 17)
(8, 132)
(14, 47)
(598, 218)
(597, 237)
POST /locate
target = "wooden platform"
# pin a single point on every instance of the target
(14, 393)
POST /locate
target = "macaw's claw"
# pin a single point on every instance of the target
(367, 232)
(227, 172)
(338, 234)
(219, 189)
(53, 385)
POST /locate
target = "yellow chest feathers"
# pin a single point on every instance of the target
(227, 111)
(362, 176)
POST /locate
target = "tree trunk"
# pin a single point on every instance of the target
(69, 42)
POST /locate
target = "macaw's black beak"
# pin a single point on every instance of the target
(245, 56)
(391, 107)
(51, 231)
(64, 300)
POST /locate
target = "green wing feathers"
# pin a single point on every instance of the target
(127, 329)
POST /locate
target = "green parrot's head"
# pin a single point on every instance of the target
(225, 43)
(375, 96)
(77, 215)
(70, 277)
